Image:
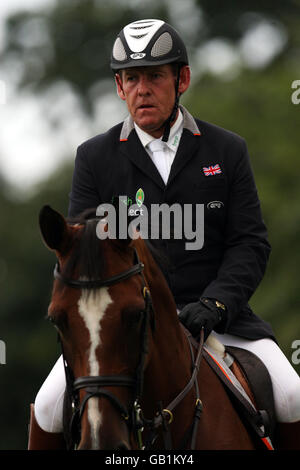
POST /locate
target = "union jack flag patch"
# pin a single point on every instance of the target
(212, 170)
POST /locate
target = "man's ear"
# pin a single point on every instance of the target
(53, 228)
(119, 84)
(185, 79)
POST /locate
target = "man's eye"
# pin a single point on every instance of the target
(156, 75)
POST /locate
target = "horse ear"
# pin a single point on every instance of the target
(53, 228)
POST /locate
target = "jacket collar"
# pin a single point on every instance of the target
(189, 123)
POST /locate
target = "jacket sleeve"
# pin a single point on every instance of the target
(246, 243)
(84, 194)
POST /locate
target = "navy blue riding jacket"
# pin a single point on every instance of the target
(211, 167)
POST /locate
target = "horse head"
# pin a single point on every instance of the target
(103, 312)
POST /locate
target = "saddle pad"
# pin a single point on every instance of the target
(231, 382)
(259, 379)
(225, 369)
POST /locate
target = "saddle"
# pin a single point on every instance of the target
(254, 378)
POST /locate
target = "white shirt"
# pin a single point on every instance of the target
(170, 147)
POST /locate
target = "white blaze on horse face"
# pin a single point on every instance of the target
(92, 307)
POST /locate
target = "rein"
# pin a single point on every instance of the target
(95, 385)
(161, 418)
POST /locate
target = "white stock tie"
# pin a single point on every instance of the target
(159, 157)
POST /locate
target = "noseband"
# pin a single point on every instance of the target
(94, 386)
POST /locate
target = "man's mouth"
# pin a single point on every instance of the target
(145, 106)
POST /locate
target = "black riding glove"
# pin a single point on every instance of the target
(206, 313)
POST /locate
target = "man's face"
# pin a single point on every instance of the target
(149, 93)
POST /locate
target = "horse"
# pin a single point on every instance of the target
(133, 377)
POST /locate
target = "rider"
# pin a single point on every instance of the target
(198, 163)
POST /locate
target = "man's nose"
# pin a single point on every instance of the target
(143, 86)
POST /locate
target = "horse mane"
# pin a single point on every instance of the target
(87, 253)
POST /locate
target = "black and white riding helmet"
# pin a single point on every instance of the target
(147, 42)
(150, 42)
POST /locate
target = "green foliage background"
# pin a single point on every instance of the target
(255, 103)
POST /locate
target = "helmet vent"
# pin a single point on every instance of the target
(119, 52)
(162, 45)
(139, 36)
(141, 27)
(137, 39)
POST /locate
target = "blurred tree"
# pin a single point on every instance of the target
(71, 43)
(232, 19)
(26, 269)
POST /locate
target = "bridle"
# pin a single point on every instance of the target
(95, 386)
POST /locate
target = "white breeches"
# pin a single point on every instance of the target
(285, 380)
(48, 405)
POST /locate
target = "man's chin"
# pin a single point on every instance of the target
(150, 127)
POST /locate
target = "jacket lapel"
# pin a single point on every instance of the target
(135, 152)
(188, 146)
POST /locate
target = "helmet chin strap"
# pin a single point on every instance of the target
(167, 124)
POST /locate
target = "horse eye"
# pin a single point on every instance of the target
(58, 320)
(52, 320)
